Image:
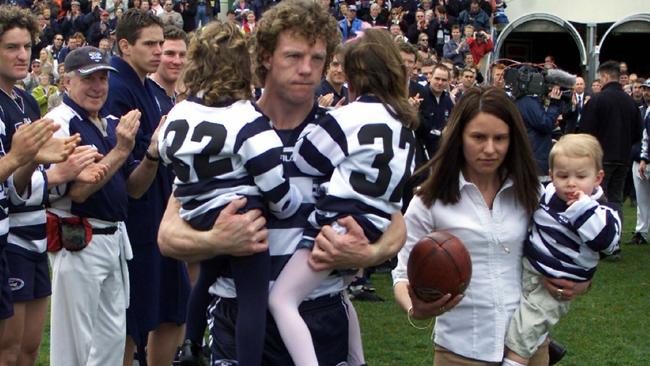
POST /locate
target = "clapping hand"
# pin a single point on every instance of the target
(57, 149)
(126, 130)
(29, 138)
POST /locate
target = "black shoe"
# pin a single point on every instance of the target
(614, 257)
(555, 352)
(191, 354)
(637, 239)
(365, 296)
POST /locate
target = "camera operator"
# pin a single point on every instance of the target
(540, 123)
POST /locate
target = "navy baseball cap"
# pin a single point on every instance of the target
(86, 60)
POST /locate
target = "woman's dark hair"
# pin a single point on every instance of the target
(373, 65)
(445, 167)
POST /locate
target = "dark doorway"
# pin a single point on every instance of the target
(628, 47)
(534, 46)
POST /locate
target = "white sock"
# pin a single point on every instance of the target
(509, 362)
(293, 284)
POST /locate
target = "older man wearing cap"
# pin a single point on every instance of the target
(350, 25)
(90, 279)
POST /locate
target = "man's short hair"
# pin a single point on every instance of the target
(610, 68)
(441, 66)
(172, 32)
(468, 69)
(338, 50)
(578, 145)
(498, 66)
(131, 24)
(14, 17)
(408, 48)
(428, 62)
(80, 36)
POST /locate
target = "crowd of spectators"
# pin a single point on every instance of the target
(442, 30)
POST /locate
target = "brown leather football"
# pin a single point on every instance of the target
(439, 264)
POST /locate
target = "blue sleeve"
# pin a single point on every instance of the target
(533, 113)
(119, 99)
(448, 51)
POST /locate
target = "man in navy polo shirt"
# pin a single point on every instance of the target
(91, 286)
(140, 39)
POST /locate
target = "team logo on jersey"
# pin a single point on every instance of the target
(287, 154)
(563, 220)
(16, 283)
(95, 56)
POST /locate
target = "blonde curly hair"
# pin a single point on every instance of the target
(218, 67)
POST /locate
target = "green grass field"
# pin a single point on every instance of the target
(607, 327)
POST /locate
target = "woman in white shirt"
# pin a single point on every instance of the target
(482, 188)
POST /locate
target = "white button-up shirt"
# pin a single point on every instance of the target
(476, 327)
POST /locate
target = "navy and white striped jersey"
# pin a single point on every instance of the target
(284, 235)
(26, 211)
(564, 242)
(367, 155)
(223, 153)
(4, 216)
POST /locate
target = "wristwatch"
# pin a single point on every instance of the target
(151, 157)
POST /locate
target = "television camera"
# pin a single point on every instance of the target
(534, 80)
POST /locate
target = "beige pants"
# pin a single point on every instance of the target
(444, 357)
(536, 315)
